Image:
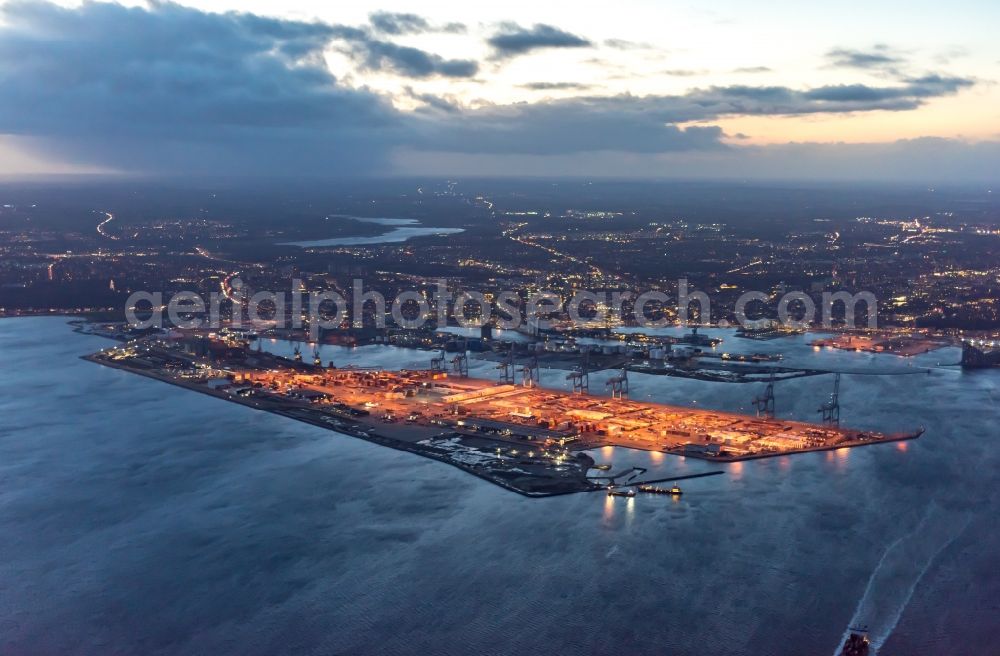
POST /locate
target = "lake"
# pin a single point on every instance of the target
(401, 230)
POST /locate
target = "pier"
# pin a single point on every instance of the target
(528, 439)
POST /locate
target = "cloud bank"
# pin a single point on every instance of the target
(170, 89)
(933, 161)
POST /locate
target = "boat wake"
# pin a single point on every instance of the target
(898, 572)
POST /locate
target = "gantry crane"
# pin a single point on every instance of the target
(437, 362)
(460, 363)
(619, 385)
(581, 378)
(529, 372)
(765, 403)
(831, 409)
(508, 375)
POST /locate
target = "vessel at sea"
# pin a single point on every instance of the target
(857, 643)
(650, 489)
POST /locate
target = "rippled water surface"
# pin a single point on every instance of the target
(140, 518)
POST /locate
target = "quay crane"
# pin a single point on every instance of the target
(831, 409)
(529, 373)
(297, 353)
(580, 377)
(317, 358)
(765, 403)
(437, 362)
(619, 385)
(508, 375)
(460, 363)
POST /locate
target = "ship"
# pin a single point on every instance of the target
(620, 493)
(753, 357)
(857, 643)
(650, 489)
(980, 354)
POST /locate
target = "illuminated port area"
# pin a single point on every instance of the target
(528, 439)
(890, 342)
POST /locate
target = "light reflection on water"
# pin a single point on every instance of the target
(609, 508)
(736, 470)
(841, 458)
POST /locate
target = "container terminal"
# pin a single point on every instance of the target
(523, 437)
(980, 354)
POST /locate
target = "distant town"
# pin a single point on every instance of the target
(933, 274)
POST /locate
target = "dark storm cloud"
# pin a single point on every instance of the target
(176, 90)
(513, 40)
(398, 24)
(374, 54)
(650, 124)
(377, 55)
(879, 57)
(566, 127)
(169, 87)
(570, 125)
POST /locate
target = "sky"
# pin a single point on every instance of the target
(896, 91)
